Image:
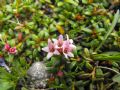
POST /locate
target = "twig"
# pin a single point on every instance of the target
(108, 69)
(109, 86)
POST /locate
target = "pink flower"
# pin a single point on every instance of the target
(60, 73)
(59, 43)
(12, 50)
(7, 47)
(59, 46)
(50, 49)
(67, 49)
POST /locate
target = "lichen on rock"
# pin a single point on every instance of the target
(37, 75)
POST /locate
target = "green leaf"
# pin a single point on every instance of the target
(23, 88)
(9, 8)
(52, 70)
(99, 72)
(79, 83)
(72, 65)
(23, 61)
(84, 1)
(116, 78)
(89, 66)
(28, 52)
(72, 2)
(60, 3)
(55, 61)
(30, 25)
(34, 36)
(5, 85)
(12, 42)
(10, 58)
(87, 30)
(115, 64)
(108, 56)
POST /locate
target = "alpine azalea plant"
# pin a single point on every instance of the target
(60, 47)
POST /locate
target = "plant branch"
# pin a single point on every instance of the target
(116, 17)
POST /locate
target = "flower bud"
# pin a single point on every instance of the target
(13, 50)
(7, 47)
(60, 73)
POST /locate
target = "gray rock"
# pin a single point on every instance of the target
(37, 75)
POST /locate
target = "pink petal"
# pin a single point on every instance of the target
(70, 54)
(60, 37)
(49, 55)
(66, 43)
(60, 41)
(12, 50)
(46, 49)
(7, 47)
(51, 46)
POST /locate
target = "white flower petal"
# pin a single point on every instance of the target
(49, 40)
(73, 46)
(56, 52)
(15, 51)
(54, 40)
(67, 36)
(46, 49)
(71, 41)
(49, 55)
(70, 54)
(66, 56)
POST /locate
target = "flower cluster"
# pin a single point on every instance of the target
(59, 47)
(10, 50)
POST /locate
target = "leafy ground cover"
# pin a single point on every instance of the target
(93, 25)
